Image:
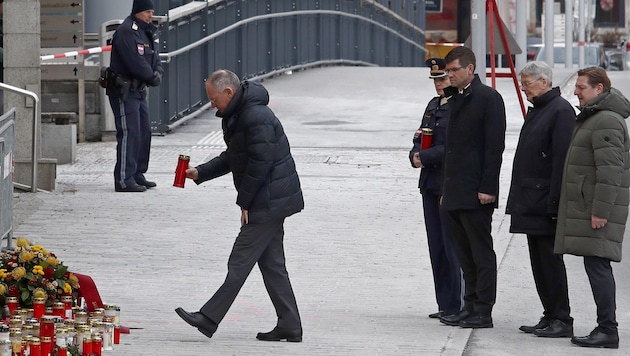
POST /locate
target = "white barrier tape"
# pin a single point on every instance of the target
(76, 53)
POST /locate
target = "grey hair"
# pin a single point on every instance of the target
(223, 78)
(538, 69)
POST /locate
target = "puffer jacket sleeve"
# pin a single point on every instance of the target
(262, 144)
(214, 168)
(609, 152)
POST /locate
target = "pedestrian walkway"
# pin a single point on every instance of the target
(357, 255)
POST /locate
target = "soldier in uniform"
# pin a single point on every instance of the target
(135, 64)
(428, 155)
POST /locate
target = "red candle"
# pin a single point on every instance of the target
(97, 346)
(39, 305)
(87, 347)
(47, 328)
(427, 138)
(116, 335)
(59, 309)
(67, 304)
(35, 348)
(12, 303)
(46, 343)
(180, 171)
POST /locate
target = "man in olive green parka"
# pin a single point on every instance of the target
(594, 200)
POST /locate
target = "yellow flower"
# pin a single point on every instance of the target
(74, 281)
(40, 293)
(22, 242)
(37, 247)
(52, 261)
(67, 288)
(18, 272)
(3, 289)
(26, 256)
(38, 270)
(3, 273)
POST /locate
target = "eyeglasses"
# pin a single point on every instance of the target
(215, 99)
(526, 84)
(449, 70)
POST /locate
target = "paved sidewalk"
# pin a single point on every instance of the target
(357, 254)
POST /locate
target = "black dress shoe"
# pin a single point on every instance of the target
(542, 323)
(132, 188)
(597, 339)
(477, 321)
(198, 320)
(147, 183)
(279, 334)
(557, 328)
(454, 319)
(436, 315)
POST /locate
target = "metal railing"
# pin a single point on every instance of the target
(258, 39)
(35, 134)
(7, 142)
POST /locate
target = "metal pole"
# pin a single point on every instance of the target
(581, 32)
(478, 36)
(568, 33)
(521, 33)
(549, 32)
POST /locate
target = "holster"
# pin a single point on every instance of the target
(124, 85)
(138, 85)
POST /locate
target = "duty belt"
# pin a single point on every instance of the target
(138, 85)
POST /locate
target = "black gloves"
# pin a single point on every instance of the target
(156, 80)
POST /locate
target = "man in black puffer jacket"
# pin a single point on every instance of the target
(259, 157)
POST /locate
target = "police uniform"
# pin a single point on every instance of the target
(135, 64)
(446, 271)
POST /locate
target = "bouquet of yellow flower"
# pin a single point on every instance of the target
(31, 271)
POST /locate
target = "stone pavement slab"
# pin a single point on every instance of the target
(357, 254)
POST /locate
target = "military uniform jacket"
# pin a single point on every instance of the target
(475, 141)
(436, 118)
(134, 52)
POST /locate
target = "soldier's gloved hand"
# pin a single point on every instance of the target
(156, 80)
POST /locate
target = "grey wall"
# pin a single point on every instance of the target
(99, 11)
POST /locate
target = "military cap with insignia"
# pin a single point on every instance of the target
(436, 66)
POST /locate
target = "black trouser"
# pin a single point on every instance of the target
(550, 276)
(133, 134)
(447, 276)
(262, 244)
(471, 230)
(600, 275)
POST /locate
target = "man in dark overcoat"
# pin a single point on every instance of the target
(535, 193)
(475, 141)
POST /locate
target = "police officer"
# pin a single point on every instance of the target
(428, 156)
(134, 65)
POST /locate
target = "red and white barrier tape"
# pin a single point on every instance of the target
(76, 53)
